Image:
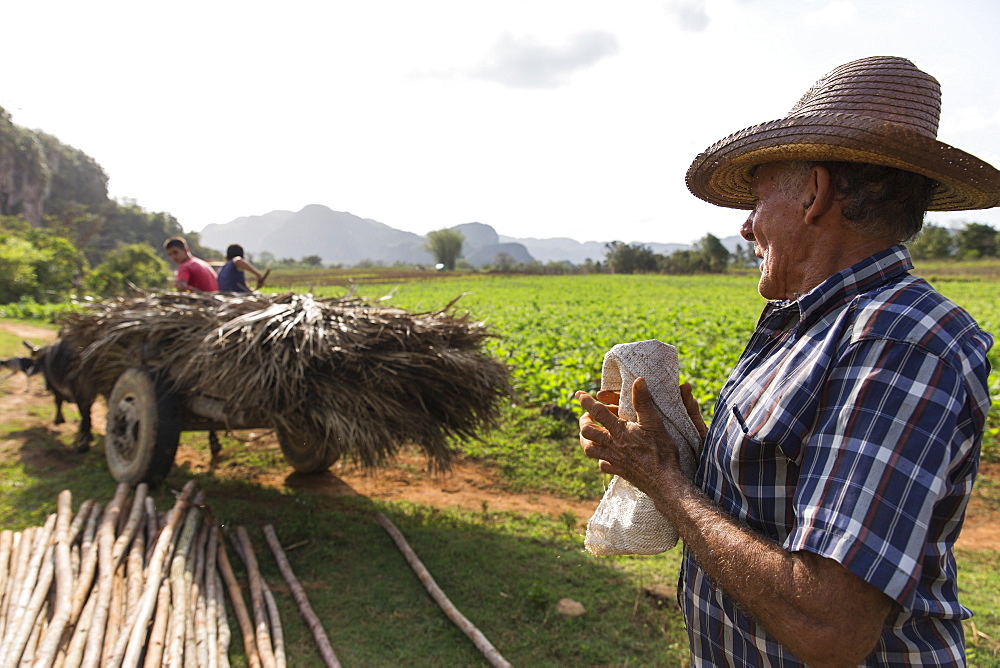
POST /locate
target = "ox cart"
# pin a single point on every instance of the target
(332, 377)
(146, 418)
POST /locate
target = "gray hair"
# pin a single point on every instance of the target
(879, 201)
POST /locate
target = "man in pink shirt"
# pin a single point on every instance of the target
(193, 274)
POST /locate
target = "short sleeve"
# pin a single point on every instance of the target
(878, 461)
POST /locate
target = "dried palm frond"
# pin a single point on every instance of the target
(360, 379)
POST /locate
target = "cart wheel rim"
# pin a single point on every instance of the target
(125, 428)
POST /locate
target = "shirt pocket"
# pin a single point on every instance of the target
(767, 433)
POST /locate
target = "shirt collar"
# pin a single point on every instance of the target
(849, 283)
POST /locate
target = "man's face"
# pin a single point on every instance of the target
(776, 227)
(177, 255)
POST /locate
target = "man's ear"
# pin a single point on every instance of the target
(819, 194)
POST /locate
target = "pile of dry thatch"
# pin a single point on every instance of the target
(363, 379)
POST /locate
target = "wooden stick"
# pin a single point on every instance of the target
(262, 632)
(37, 629)
(211, 601)
(276, 631)
(6, 563)
(132, 525)
(193, 588)
(198, 608)
(154, 650)
(224, 632)
(115, 613)
(272, 618)
(312, 621)
(74, 652)
(136, 570)
(474, 634)
(80, 519)
(152, 526)
(178, 587)
(14, 647)
(105, 577)
(46, 651)
(74, 562)
(20, 554)
(190, 650)
(40, 540)
(239, 607)
(131, 640)
(201, 631)
(39, 546)
(90, 531)
(88, 564)
(124, 512)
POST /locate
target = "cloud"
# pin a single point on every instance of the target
(838, 13)
(972, 119)
(524, 62)
(689, 14)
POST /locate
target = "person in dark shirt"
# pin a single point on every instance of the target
(232, 275)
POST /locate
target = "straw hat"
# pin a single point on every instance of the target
(879, 110)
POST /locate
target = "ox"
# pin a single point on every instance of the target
(60, 364)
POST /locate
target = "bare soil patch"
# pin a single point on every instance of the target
(469, 485)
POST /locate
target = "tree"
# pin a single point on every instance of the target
(684, 262)
(933, 243)
(264, 259)
(716, 255)
(625, 258)
(446, 246)
(35, 263)
(976, 240)
(138, 264)
(312, 261)
(504, 262)
(17, 269)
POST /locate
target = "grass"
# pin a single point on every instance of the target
(979, 588)
(532, 452)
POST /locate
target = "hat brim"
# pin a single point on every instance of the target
(721, 174)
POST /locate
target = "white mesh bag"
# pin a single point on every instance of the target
(626, 521)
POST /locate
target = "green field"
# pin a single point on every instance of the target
(504, 571)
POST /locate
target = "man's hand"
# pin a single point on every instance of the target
(638, 451)
(611, 399)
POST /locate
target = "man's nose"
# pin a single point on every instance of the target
(746, 230)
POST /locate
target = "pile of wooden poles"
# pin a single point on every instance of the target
(125, 585)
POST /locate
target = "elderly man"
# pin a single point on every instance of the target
(833, 482)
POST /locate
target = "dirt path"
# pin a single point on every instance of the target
(469, 485)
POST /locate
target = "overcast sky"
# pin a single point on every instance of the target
(542, 118)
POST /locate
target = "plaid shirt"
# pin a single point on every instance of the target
(851, 428)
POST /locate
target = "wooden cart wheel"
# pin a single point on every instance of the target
(305, 452)
(143, 429)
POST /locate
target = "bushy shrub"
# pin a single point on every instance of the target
(135, 264)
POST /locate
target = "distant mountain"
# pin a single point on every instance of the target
(483, 245)
(336, 236)
(343, 238)
(248, 231)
